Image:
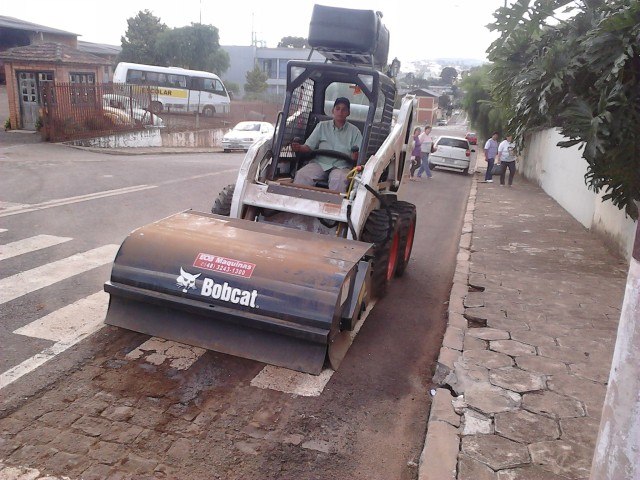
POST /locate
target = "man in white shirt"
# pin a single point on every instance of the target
(426, 142)
(507, 158)
(490, 152)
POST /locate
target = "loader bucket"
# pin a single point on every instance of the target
(254, 290)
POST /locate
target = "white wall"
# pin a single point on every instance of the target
(560, 173)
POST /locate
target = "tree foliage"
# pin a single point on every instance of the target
(293, 42)
(580, 74)
(149, 41)
(139, 41)
(256, 83)
(448, 75)
(194, 47)
(485, 115)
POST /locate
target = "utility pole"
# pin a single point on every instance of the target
(617, 454)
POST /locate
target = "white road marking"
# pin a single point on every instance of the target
(157, 350)
(80, 318)
(17, 209)
(30, 245)
(66, 201)
(302, 384)
(66, 327)
(2, 230)
(40, 277)
(290, 381)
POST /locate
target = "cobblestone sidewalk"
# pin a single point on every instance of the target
(533, 316)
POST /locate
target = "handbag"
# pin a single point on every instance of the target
(497, 169)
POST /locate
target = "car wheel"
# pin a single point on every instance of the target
(226, 150)
(432, 166)
(466, 171)
(208, 111)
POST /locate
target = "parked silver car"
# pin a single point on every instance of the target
(451, 153)
(244, 134)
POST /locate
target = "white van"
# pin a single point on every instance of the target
(177, 89)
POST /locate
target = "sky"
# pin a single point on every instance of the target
(418, 30)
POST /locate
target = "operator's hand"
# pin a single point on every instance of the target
(295, 146)
(355, 153)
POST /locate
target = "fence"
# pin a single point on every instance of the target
(72, 111)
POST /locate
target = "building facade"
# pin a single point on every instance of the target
(272, 61)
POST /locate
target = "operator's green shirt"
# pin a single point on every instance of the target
(326, 136)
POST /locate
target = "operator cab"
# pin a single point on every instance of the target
(311, 91)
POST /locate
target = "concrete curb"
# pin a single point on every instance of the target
(439, 457)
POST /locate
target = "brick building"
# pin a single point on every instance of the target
(30, 67)
(428, 111)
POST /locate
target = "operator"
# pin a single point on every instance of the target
(338, 135)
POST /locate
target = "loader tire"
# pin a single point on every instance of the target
(376, 231)
(406, 231)
(222, 205)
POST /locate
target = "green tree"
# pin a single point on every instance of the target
(485, 115)
(581, 75)
(139, 41)
(448, 75)
(293, 42)
(196, 47)
(256, 84)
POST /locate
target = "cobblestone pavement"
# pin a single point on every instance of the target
(533, 316)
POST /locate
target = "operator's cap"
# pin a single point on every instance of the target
(343, 100)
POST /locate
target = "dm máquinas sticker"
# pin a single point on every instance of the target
(217, 291)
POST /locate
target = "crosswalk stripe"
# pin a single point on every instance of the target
(30, 244)
(40, 277)
(79, 318)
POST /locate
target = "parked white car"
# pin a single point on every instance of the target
(244, 134)
(451, 153)
(134, 111)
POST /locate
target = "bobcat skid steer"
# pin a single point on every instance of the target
(278, 272)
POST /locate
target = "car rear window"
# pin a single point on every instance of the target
(453, 142)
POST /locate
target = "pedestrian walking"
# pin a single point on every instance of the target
(490, 152)
(507, 159)
(426, 147)
(415, 153)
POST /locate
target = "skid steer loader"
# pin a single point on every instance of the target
(279, 272)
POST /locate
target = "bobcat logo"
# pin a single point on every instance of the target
(186, 280)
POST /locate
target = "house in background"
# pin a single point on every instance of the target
(32, 55)
(272, 61)
(28, 69)
(19, 33)
(108, 52)
(428, 111)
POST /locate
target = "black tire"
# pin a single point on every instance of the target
(406, 230)
(222, 205)
(376, 231)
(208, 111)
(432, 166)
(156, 107)
(465, 171)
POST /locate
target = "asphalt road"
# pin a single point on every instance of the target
(207, 421)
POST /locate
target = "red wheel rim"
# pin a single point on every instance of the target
(409, 245)
(393, 257)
